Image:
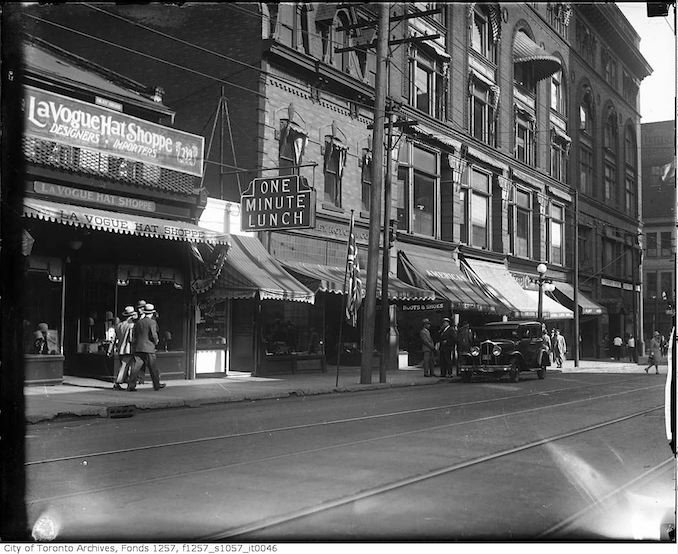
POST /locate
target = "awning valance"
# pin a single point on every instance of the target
(249, 270)
(325, 278)
(551, 309)
(525, 50)
(448, 281)
(499, 282)
(116, 222)
(565, 292)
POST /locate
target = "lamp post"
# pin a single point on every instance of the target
(545, 284)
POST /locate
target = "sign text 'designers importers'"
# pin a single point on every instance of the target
(278, 203)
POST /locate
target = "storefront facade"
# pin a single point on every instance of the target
(109, 213)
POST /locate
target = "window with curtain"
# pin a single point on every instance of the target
(475, 224)
(558, 100)
(366, 181)
(559, 159)
(557, 234)
(402, 187)
(520, 223)
(425, 191)
(524, 138)
(291, 147)
(334, 161)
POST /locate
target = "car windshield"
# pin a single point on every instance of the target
(493, 333)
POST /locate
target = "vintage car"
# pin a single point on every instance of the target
(505, 348)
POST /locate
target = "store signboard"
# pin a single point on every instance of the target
(278, 203)
(57, 118)
(611, 283)
(93, 197)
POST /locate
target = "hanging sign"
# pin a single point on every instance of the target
(61, 119)
(278, 203)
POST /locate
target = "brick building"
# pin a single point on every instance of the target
(659, 202)
(518, 109)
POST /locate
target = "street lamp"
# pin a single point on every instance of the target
(545, 284)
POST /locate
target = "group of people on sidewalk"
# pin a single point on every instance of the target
(136, 339)
(452, 342)
(555, 344)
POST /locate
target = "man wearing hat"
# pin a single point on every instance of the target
(654, 352)
(427, 347)
(448, 343)
(144, 344)
(123, 345)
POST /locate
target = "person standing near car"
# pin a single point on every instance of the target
(447, 342)
(559, 348)
(427, 347)
(547, 342)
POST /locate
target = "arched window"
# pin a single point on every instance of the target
(610, 157)
(586, 142)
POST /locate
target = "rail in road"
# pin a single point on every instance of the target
(583, 399)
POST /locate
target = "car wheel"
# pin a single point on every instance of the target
(514, 373)
(541, 373)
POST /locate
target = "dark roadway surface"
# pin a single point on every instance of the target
(397, 464)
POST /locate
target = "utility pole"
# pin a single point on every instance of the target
(576, 278)
(385, 311)
(375, 196)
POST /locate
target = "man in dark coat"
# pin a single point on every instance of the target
(448, 343)
(145, 341)
(427, 347)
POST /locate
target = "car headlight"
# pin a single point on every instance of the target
(496, 350)
(475, 351)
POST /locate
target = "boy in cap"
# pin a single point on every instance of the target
(427, 347)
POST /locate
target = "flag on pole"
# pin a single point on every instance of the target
(354, 292)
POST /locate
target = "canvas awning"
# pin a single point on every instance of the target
(443, 276)
(325, 278)
(249, 270)
(117, 222)
(565, 292)
(525, 50)
(551, 309)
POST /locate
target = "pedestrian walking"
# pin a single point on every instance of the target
(447, 342)
(631, 347)
(145, 341)
(140, 315)
(654, 353)
(427, 347)
(454, 335)
(663, 345)
(617, 343)
(559, 348)
(123, 345)
(547, 343)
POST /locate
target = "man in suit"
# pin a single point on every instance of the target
(427, 347)
(145, 342)
(448, 342)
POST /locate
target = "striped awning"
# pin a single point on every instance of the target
(449, 282)
(525, 50)
(325, 278)
(551, 309)
(565, 291)
(118, 222)
(249, 270)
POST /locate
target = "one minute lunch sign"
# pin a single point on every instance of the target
(278, 203)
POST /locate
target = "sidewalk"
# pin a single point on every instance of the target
(79, 397)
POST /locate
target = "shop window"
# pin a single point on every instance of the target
(42, 305)
(520, 223)
(556, 234)
(483, 101)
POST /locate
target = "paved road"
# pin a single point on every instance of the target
(441, 462)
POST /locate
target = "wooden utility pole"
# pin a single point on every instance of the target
(385, 312)
(370, 304)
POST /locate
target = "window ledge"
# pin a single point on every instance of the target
(332, 208)
(364, 215)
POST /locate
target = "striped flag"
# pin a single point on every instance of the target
(354, 292)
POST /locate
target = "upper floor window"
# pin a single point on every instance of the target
(586, 170)
(417, 187)
(586, 42)
(651, 245)
(520, 223)
(334, 161)
(559, 16)
(366, 180)
(475, 226)
(559, 153)
(609, 66)
(556, 234)
(666, 248)
(586, 113)
(610, 161)
(483, 99)
(484, 31)
(610, 136)
(629, 89)
(439, 18)
(427, 89)
(558, 101)
(524, 136)
(342, 38)
(292, 143)
(586, 256)
(630, 149)
(630, 172)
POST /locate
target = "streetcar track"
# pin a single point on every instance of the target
(322, 423)
(402, 483)
(120, 486)
(570, 520)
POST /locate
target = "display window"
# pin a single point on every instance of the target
(291, 328)
(42, 307)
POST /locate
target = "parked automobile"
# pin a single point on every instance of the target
(505, 349)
